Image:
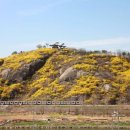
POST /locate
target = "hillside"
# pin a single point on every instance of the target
(65, 74)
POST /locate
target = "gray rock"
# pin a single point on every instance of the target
(107, 87)
(25, 71)
(81, 73)
(104, 74)
(5, 73)
(69, 74)
(62, 70)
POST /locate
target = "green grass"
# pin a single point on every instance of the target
(30, 123)
(122, 123)
(69, 124)
(46, 123)
(2, 113)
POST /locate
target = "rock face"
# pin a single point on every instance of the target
(25, 71)
(81, 73)
(104, 74)
(71, 74)
(5, 73)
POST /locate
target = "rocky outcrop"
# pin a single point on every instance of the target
(25, 71)
(104, 74)
(5, 73)
(70, 74)
(81, 73)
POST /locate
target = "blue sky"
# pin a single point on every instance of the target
(89, 24)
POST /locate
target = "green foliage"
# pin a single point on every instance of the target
(15, 52)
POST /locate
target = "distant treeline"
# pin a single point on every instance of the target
(58, 45)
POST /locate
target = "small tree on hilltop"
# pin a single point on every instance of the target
(104, 51)
(58, 45)
(62, 46)
(15, 52)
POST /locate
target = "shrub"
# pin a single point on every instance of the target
(15, 52)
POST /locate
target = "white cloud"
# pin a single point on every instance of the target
(122, 43)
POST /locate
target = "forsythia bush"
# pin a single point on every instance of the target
(11, 91)
(84, 85)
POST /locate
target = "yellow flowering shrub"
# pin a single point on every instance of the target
(16, 60)
(100, 68)
(116, 60)
(84, 85)
(86, 67)
(12, 91)
(54, 90)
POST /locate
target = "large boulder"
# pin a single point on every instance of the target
(70, 74)
(25, 71)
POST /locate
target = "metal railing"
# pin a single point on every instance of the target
(41, 103)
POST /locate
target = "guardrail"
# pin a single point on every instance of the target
(41, 103)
